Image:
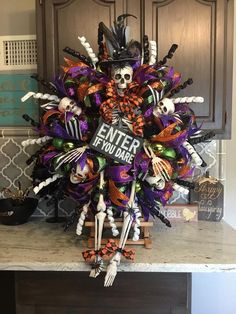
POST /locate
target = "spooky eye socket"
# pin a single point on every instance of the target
(164, 109)
(161, 103)
(117, 76)
(127, 76)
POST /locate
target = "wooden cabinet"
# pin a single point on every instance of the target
(75, 292)
(203, 29)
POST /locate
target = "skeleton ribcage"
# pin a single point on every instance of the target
(119, 119)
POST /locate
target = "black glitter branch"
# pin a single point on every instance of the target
(188, 184)
(168, 56)
(145, 49)
(44, 83)
(29, 119)
(76, 54)
(180, 87)
(100, 43)
(200, 139)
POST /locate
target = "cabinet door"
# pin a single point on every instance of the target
(203, 31)
(60, 22)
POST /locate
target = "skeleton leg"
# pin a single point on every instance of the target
(99, 221)
(115, 261)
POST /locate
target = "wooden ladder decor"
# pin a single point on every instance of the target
(145, 238)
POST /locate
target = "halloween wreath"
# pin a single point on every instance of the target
(114, 138)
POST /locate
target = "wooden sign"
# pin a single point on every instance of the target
(209, 194)
(115, 143)
(12, 88)
(181, 212)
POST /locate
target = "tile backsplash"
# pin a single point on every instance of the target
(13, 167)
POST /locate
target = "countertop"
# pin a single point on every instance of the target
(186, 247)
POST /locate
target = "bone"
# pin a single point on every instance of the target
(39, 140)
(39, 96)
(181, 100)
(46, 182)
(89, 50)
(82, 217)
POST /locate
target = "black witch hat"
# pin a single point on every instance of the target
(117, 49)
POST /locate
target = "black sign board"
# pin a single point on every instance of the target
(116, 143)
(209, 194)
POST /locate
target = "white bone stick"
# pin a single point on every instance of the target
(187, 99)
(39, 140)
(194, 155)
(99, 221)
(39, 96)
(153, 50)
(180, 189)
(82, 219)
(46, 182)
(89, 50)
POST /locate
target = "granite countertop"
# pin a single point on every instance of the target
(186, 247)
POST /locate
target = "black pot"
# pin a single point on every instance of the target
(13, 212)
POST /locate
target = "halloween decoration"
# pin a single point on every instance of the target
(114, 138)
(17, 206)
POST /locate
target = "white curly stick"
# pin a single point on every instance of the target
(194, 155)
(137, 223)
(89, 50)
(180, 189)
(82, 217)
(39, 140)
(113, 226)
(36, 189)
(39, 96)
(181, 100)
(153, 51)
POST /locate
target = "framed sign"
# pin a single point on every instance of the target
(115, 143)
(12, 88)
(209, 195)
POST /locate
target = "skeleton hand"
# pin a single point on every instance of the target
(159, 165)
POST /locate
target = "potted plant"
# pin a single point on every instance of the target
(17, 206)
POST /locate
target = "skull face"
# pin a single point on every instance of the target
(156, 181)
(78, 175)
(68, 105)
(165, 106)
(122, 77)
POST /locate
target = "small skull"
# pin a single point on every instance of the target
(156, 181)
(165, 106)
(68, 105)
(122, 77)
(78, 175)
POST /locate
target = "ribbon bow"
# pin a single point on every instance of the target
(110, 248)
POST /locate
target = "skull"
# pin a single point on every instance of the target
(156, 181)
(122, 77)
(68, 105)
(78, 175)
(165, 106)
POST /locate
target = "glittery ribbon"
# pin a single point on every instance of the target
(110, 248)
